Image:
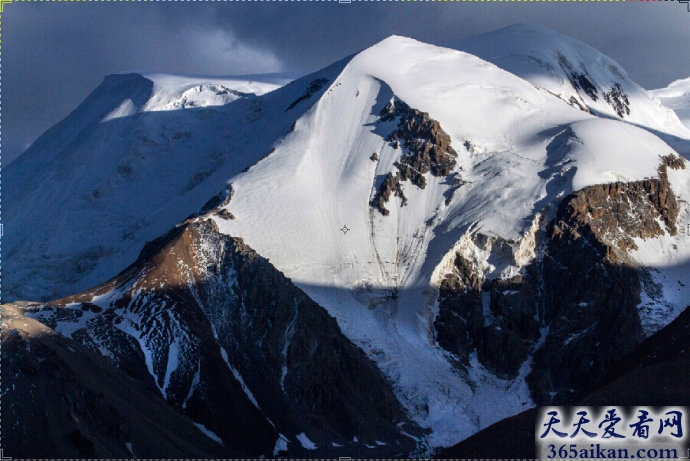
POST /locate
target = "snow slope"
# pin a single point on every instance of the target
(573, 71)
(666, 290)
(136, 157)
(676, 96)
(520, 150)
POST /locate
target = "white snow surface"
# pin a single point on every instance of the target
(666, 292)
(257, 84)
(173, 92)
(676, 96)
(544, 58)
(305, 442)
(528, 149)
(619, 155)
(281, 445)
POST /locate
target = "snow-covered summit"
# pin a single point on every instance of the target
(575, 72)
(184, 92)
(307, 207)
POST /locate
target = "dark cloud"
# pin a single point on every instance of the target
(54, 54)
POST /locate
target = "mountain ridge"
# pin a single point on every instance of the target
(492, 186)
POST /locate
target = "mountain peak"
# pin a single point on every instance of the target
(575, 72)
(427, 198)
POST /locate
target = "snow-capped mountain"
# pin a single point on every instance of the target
(676, 96)
(490, 233)
(233, 345)
(95, 170)
(574, 72)
(380, 279)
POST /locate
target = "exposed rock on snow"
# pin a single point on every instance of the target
(427, 149)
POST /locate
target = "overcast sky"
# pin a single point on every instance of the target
(55, 54)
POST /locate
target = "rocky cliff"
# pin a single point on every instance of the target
(573, 309)
(227, 342)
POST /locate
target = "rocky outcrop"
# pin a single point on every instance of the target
(61, 400)
(391, 185)
(228, 342)
(460, 320)
(588, 301)
(426, 149)
(303, 372)
(495, 317)
(573, 101)
(655, 372)
(617, 99)
(582, 83)
(618, 212)
(591, 291)
(575, 307)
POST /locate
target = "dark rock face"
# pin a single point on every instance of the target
(589, 303)
(391, 185)
(514, 329)
(655, 372)
(426, 149)
(497, 318)
(617, 99)
(582, 83)
(582, 295)
(305, 374)
(591, 294)
(218, 200)
(225, 340)
(460, 320)
(575, 103)
(64, 401)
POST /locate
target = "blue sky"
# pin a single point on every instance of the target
(55, 54)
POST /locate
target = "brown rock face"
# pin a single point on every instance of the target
(426, 150)
(635, 207)
(583, 290)
(223, 338)
(391, 185)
